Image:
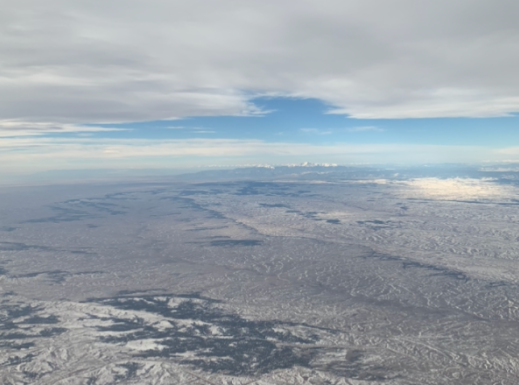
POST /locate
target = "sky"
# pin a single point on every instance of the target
(127, 84)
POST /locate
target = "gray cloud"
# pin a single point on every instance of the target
(118, 61)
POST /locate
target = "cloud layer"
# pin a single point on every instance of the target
(32, 154)
(97, 61)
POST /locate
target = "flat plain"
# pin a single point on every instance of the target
(293, 275)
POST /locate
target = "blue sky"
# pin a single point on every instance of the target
(309, 121)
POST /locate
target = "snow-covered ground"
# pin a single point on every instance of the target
(292, 280)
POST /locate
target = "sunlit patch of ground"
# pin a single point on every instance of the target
(457, 189)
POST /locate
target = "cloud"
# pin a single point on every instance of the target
(366, 129)
(14, 129)
(31, 154)
(124, 60)
(316, 131)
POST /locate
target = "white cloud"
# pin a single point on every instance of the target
(30, 154)
(15, 128)
(125, 60)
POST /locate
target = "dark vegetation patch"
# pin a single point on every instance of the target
(17, 360)
(22, 335)
(9, 311)
(157, 191)
(52, 319)
(83, 252)
(333, 221)
(14, 321)
(236, 242)
(19, 246)
(8, 325)
(497, 284)
(57, 276)
(121, 324)
(63, 214)
(207, 228)
(220, 342)
(200, 192)
(13, 345)
(51, 332)
(122, 196)
(308, 214)
(311, 215)
(274, 205)
(130, 368)
(79, 209)
(192, 205)
(264, 188)
(129, 292)
(375, 222)
(437, 270)
(31, 375)
(96, 204)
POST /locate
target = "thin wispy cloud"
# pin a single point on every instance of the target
(365, 129)
(195, 130)
(26, 155)
(14, 129)
(316, 131)
(29, 149)
(341, 130)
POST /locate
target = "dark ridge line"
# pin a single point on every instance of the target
(20, 246)
(235, 242)
(442, 271)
